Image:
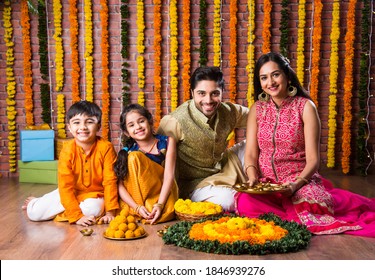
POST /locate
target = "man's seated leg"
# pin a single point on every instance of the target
(221, 195)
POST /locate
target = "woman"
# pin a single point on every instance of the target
(282, 146)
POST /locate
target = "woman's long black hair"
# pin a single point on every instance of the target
(121, 164)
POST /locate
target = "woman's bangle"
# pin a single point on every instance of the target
(302, 179)
(161, 205)
(253, 166)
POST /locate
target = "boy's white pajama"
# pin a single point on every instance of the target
(49, 205)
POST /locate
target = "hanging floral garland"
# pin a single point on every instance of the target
(157, 59)
(266, 32)
(59, 59)
(10, 86)
(217, 33)
(316, 38)
(27, 72)
(284, 30)
(89, 47)
(334, 63)
(141, 49)
(125, 73)
(362, 152)
(45, 96)
(174, 53)
(106, 98)
(348, 86)
(60, 100)
(186, 59)
(73, 19)
(250, 52)
(301, 41)
(203, 54)
(233, 57)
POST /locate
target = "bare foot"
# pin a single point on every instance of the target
(27, 200)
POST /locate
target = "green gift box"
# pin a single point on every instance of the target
(43, 172)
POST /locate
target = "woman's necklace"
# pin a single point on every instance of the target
(153, 145)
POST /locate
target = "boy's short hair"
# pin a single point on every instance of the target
(84, 108)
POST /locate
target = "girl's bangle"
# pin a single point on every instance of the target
(302, 179)
(253, 166)
(137, 209)
(160, 205)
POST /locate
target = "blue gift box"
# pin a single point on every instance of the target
(37, 145)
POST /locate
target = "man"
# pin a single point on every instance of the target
(202, 127)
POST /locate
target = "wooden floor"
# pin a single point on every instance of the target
(21, 239)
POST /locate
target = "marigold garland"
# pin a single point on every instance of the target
(217, 33)
(284, 30)
(89, 47)
(59, 59)
(125, 73)
(250, 52)
(10, 86)
(186, 59)
(363, 129)
(203, 54)
(301, 41)
(73, 20)
(106, 98)
(207, 235)
(27, 71)
(157, 59)
(174, 53)
(233, 56)
(60, 100)
(316, 38)
(141, 48)
(266, 32)
(45, 96)
(348, 86)
(334, 63)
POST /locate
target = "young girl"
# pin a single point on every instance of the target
(145, 167)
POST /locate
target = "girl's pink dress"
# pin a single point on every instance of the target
(318, 205)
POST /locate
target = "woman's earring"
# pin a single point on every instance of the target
(292, 91)
(263, 96)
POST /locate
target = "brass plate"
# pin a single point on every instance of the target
(122, 239)
(260, 188)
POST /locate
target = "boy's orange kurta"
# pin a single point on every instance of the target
(82, 176)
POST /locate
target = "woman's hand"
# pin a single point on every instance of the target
(252, 181)
(157, 210)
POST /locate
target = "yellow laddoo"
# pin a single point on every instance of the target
(138, 232)
(120, 219)
(119, 234)
(110, 232)
(129, 234)
(123, 227)
(132, 226)
(130, 219)
(114, 224)
(124, 212)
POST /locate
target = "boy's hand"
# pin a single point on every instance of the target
(86, 221)
(106, 218)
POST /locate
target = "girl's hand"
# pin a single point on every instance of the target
(156, 213)
(107, 218)
(144, 212)
(86, 221)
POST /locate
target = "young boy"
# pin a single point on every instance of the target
(87, 184)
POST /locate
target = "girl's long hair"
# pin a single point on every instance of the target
(121, 164)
